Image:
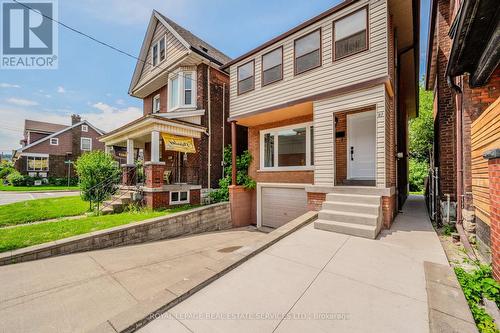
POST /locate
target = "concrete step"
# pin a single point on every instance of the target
(124, 199)
(348, 217)
(352, 207)
(107, 211)
(353, 229)
(354, 198)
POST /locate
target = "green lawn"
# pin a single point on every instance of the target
(28, 235)
(41, 209)
(37, 188)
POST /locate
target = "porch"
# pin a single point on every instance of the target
(170, 174)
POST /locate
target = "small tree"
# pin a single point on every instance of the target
(242, 178)
(98, 173)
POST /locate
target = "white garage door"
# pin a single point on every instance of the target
(281, 205)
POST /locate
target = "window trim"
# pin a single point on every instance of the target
(295, 73)
(85, 128)
(81, 143)
(262, 66)
(178, 202)
(367, 7)
(180, 98)
(157, 44)
(238, 80)
(35, 157)
(308, 167)
(56, 141)
(156, 98)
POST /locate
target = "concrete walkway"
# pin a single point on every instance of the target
(11, 197)
(318, 281)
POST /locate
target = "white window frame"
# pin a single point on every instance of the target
(81, 144)
(180, 97)
(178, 202)
(158, 55)
(55, 142)
(275, 131)
(156, 98)
(85, 128)
(36, 156)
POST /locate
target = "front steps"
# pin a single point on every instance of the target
(351, 214)
(118, 202)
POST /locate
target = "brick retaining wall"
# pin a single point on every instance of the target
(208, 218)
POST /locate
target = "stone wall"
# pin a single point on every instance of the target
(198, 220)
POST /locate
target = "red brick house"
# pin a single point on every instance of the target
(183, 129)
(46, 147)
(463, 72)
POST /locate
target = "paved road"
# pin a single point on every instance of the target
(10, 197)
(319, 281)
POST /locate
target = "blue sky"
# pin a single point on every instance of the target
(93, 81)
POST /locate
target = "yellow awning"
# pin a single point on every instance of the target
(178, 143)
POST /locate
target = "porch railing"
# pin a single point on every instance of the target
(183, 174)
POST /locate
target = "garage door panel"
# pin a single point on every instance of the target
(281, 205)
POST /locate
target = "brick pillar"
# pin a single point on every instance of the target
(315, 200)
(128, 174)
(153, 172)
(242, 205)
(493, 157)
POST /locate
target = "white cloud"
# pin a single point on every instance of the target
(9, 85)
(120, 102)
(61, 90)
(21, 101)
(111, 117)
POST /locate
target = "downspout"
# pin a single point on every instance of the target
(209, 130)
(223, 126)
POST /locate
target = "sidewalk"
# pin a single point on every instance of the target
(322, 282)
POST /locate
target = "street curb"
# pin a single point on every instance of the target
(39, 192)
(140, 315)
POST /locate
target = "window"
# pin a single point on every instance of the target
(351, 34)
(85, 128)
(86, 144)
(246, 77)
(38, 163)
(158, 52)
(182, 91)
(179, 197)
(156, 104)
(54, 141)
(272, 66)
(308, 52)
(288, 147)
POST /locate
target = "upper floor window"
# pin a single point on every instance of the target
(54, 141)
(182, 91)
(351, 34)
(308, 52)
(246, 80)
(158, 52)
(156, 104)
(86, 144)
(85, 128)
(272, 66)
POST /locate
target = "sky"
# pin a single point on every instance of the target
(93, 81)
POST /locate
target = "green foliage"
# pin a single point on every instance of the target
(73, 181)
(477, 284)
(448, 229)
(418, 172)
(98, 174)
(16, 179)
(242, 178)
(6, 168)
(421, 129)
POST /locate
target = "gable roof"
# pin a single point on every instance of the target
(33, 125)
(188, 39)
(67, 128)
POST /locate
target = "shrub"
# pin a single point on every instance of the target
(242, 178)
(16, 179)
(418, 172)
(73, 181)
(98, 174)
(4, 172)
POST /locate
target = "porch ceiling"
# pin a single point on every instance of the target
(276, 115)
(141, 129)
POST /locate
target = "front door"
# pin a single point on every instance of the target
(361, 138)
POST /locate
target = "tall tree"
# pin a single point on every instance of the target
(421, 132)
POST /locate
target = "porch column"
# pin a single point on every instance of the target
(130, 151)
(155, 146)
(128, 169)
(107, 149)
(233, 152)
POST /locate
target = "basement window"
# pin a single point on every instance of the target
(179, 197)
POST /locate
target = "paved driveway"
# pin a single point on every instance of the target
(318, 281)
(11, 197)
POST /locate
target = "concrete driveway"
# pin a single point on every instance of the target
(318, 281)
(11, 197)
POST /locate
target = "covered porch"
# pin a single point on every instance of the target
(161, 160)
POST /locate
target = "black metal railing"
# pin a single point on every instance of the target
(183, 174)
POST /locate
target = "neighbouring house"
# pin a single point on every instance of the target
(184, 128)
(47, 148)
(463, 72)
(326, 105)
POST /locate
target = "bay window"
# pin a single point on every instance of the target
(182, 91)
(287, 148)
(308, 52)
(351, 34)
(37, 163)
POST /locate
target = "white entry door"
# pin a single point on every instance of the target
(361, 138)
